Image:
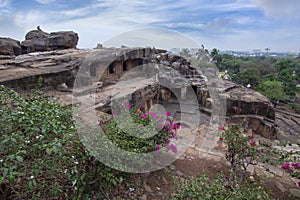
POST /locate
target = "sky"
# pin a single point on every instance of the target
(223, 24)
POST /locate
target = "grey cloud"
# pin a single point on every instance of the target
(280, 8)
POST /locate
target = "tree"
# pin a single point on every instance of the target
(288, 81)
(185, 52)
(214, 53)
(232, 65)
(284, 64)
(202, 54)
(272, 89)
(247, 76)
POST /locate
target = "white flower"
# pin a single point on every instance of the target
(27, 141)
(74, 183)
(76, 163)
(31, 177)
(66, 170)
(1, 160)
(38, 136)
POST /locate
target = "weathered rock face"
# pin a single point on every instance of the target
(55, 67)
(241, 101)
(37, 40)
(195, 78)
(10, 47)
(254, 108)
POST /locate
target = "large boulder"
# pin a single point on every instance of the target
(38, 40)
(10, 47)
(244, 104)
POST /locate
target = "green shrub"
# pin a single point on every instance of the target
(41, 155)
(202, 187)
(296, 106)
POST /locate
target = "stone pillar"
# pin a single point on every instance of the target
(183, 92)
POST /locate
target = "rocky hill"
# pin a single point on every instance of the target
(43, 57)
(102, 75)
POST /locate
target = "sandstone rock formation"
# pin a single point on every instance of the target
(246, 104)
(61, 66)
(54, 67)
(10, 47)
(38, 40)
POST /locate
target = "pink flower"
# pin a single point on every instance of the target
(128, 105)
(291, 170)
(100, 123)
(153, 114)
(159, 125)
(168, 114)
(259, 151)
(222, 128)
(221, 138)
(176, 126)
(299, 183)
(114, 115)
(173, 134)
(157, 147)
(253, 144)
(168, 146)
(229, 122)
(170, 126)
(296, 165)
(174, 148)
(142, 107)
(251, 136)
(285, 166)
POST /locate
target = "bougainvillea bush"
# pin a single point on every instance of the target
(41, 155)
(242, 150)
(138, 131)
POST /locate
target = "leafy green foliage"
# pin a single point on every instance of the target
(272, 89)
(258, 71)
(202, 187)
(139, 123)
(288, 81)
(296, 106)
(248, 76)
(41, 154)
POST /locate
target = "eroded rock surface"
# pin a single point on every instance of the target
(38, 40)
(54, 67)
(9, 46)
(246, 104)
